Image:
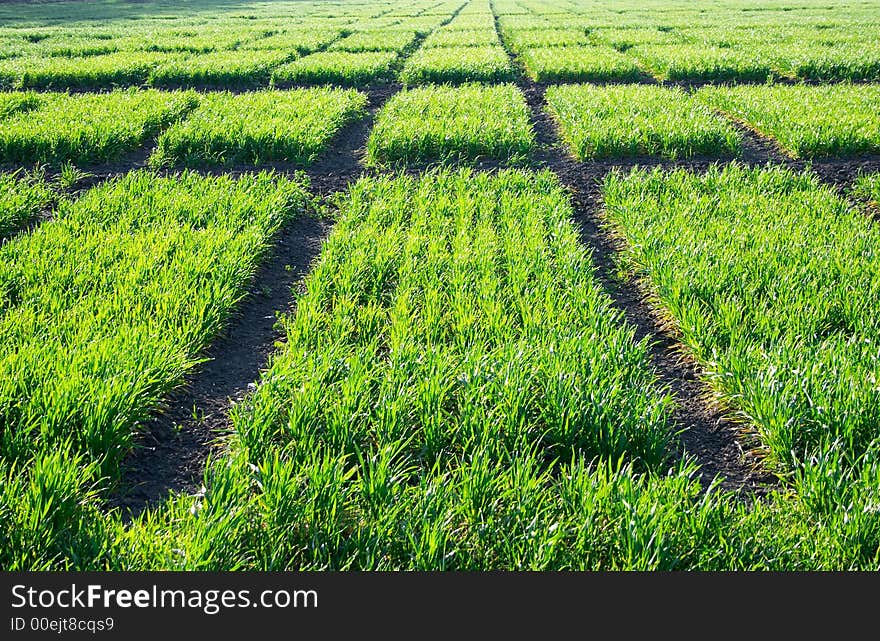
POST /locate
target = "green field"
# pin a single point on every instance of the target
(475, 368)
(447, 37)
(123, 68)
(702, 62)
(219, 69)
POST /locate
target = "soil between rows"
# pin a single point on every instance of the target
(170, 451)
(705, 433)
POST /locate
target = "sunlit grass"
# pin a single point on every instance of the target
(287, 126)
(579, 63)
(457, 65)
(107, 306)
(693, 62)
(22, 196)
(634, 120)
(123, 68)
(220, 69)
(439, 123)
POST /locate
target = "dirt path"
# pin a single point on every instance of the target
(705, 434)
(170, 451)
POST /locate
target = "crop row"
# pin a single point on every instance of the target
(288, 126)
(637, 120)
(433, 123)
(806, 121)
(634, 120)
(223, 69)
(460, 124)
(472, 60)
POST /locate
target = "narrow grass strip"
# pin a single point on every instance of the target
(461, 38)
(699, 63)
(458, 65)
(830, 61)
(220, 69)
(374, 41)
(522, 40)
(579, 64)
(265, 126)
(299, 40)
(119, 69)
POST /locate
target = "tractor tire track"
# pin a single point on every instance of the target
(170, 451)
(705, 433)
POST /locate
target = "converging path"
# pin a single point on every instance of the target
(173, 447)
(718, 445)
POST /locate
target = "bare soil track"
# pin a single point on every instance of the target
(705, 433)
(170, 451)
